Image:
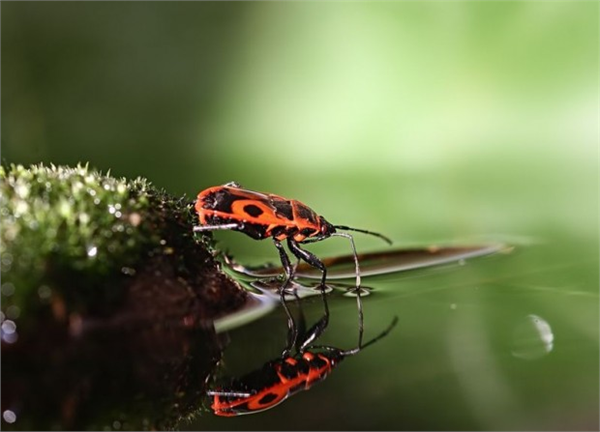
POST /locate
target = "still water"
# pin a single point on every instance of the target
(503, 341)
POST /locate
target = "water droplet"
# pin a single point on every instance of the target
(532, 339)
(128, 271)
(135, 219)
(9, 327)
(7, 289)
(9, 416)
(22, 190)
(64, 208)
(21, 208)
(92, 251)
(77, 186)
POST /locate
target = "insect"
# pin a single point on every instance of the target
(287, 375)
(261, 215)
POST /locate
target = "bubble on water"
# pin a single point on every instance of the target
(532, 338)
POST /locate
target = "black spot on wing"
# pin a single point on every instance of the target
(283, 208)
(220, 200)
(306, 213)
(253, 210)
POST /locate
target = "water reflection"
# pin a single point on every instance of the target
(139, 375)
(124, 372)
(376, 263)
(302, 365)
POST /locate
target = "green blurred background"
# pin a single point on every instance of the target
(431, 122)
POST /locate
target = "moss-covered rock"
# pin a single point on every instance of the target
(90, 263)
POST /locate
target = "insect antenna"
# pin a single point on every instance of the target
(361, 346)
(381, 236)
(372, 341)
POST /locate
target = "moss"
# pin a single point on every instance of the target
(73, 218)
(93, 265)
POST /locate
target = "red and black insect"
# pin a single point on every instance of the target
(260, 215)
(279, 379)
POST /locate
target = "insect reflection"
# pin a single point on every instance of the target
(292, 372)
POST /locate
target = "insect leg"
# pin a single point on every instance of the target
(316, 330)
(308, 257)
(358, 299)
(292, 336)
(217, 227)
(285, 261)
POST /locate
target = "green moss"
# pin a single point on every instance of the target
(64, 219)
(93, 265)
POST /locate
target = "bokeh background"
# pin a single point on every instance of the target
(433, 122)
